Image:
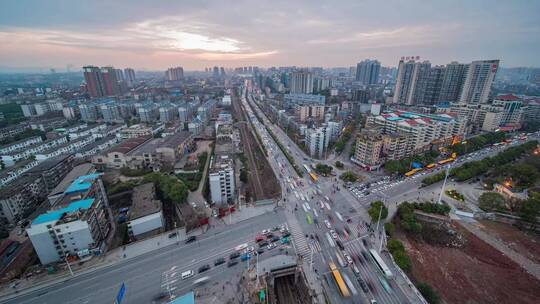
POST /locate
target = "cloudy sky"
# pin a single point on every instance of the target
(194, 34)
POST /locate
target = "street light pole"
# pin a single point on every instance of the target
(68, 265)
(444, 184)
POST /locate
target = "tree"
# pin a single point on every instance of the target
(491, 201)
(389, 228)
(339, 164)
(402, 260)
(429, 293)
(323, 169)
(348, 177)
(375, 209)
(394, 245)
(530, 209)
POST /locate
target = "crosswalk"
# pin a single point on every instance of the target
(300, 242)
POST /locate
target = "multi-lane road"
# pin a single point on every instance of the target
(310, 205)
(144, 275)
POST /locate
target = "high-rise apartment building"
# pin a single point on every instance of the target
(129, 75)
(110, 82)
(367, 72)
(119, 74)
(369, 145)
(174, 74)
(317, 141)
(94, 81)
(301, 82)
(452, 84)
(411, 75)
(477, 84)
(429, 88)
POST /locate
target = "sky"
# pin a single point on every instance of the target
(154, 35)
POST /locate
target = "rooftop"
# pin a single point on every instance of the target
(49, 164)
(144, 202)
(79, 170)
(55, 215)
(129, 144)
(21, 141)
(82, 183)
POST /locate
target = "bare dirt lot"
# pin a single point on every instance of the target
(526, 243)
(477, 273)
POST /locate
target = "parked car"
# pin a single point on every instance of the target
(232, 263)
(219, 261)
(234, 255)
(172, 235)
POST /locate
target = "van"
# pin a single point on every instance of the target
(187, 274)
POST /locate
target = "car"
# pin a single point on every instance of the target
(348, 258)
(275, 238)
(373, 301)
(203, 268)
(234, 255)
(271, 246)
(364, 242)
(266, 231)
(356, 270)
(286, 234)
(193, 205)
(241, 247)
(340, 245)
(172, 235)
(232, 263)
(263, 243)
(219, 261)
(363, 285)
(260, 250)
(187, 274)
(190, 239)
(328, 225)
(333, 234)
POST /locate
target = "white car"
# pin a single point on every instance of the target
(327, 223)
(334, 234)
(348, 258)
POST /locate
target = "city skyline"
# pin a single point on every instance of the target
(199, 35)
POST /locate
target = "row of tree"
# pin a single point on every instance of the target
(476, 168)
(478, 142)
(405, 164)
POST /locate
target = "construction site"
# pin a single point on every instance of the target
(262, 183)
(279, 281)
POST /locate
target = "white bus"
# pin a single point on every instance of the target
(381, 264)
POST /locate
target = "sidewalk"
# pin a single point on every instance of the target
(240, 215)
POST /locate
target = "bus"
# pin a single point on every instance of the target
(308, 170)
(339, 280)
(313, 176)
(445, 161)
(380, 263)
(413, 172)
(431, 166)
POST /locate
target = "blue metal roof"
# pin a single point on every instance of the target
(82, 183)
(394, 118)
(188, 298)
(55, 215)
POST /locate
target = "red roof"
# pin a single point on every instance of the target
(508, 97)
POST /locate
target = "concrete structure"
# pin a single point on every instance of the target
(20, 197)
(317, 141)
(411, 80)
(174, 74)
(222, 179)
(20, 144)
(9, 159)
(477, 85)
(292, 100)
(145, 213)
(422, 129)
(367, 153)
(161, 152)
(53, 170)
(116, 157)
(56, 194)
(301, 82)
(367, 72)
(304, 113)
(12, 173)
(452, 84)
